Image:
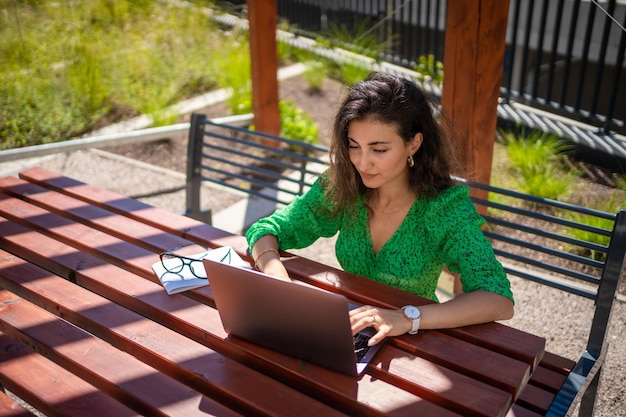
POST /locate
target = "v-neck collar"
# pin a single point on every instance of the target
(368, 232)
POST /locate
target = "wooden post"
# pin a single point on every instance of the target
(262, 18)
(473, 64)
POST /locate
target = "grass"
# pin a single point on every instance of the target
(588, 236)
(537, 163)
(315, 73)
(233, 72)
(71, 66)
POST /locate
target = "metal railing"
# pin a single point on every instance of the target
(268, 167)
(134, 137)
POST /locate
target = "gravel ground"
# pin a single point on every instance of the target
(563, 319)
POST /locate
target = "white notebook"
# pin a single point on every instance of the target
(185, 280)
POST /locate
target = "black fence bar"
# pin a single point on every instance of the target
(602, 58)
(618, 77)
(585, 56)
(542, 34)
(570, 47)
(554, 49)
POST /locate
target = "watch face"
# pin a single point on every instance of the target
(412, 312)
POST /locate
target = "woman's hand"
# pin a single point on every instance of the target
(386, 322)
(276, 268)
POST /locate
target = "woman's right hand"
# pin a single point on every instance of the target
(276, 268)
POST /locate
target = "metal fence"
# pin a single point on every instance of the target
(563, 56)
(567, 56)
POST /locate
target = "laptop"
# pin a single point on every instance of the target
(290, 317)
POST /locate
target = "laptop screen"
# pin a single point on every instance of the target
(290, 317)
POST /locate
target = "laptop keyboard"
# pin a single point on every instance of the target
(360, 345)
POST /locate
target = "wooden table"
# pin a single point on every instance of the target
(83, 313)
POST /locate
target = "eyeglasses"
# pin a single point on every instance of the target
(174, 260)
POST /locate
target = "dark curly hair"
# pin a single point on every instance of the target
(388, 99)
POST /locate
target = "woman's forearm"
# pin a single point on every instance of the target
(266, 257)
(466, 309)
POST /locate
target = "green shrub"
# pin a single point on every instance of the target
(297, 124)
(610, 205)
(361, 39)
(537, 164)
(352, 73)
(35, 109)
(429, 68)
(315, 73)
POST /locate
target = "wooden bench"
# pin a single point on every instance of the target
(535, 238)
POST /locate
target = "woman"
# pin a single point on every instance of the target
(401, 219)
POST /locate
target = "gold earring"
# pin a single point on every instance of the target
(410, 161)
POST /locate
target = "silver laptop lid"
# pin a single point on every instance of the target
(296, 319)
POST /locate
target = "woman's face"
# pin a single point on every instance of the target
(378, 153)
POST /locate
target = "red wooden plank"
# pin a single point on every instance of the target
(541, 389)
(112, 371)
(162, 219)
(436, 383)
(518, 411)
(507, 340)
(548, 379)
(116, 249)
(484, 365)
(387, 396)
(168, 352)
(107, 247)
(49, 388)
(80, 211)
(202, 324)
(10, 407)
(557, 363)
(535, 399)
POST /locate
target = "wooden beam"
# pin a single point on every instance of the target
(473, 63)
(262, 18)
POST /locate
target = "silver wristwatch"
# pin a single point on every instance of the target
(413, 313)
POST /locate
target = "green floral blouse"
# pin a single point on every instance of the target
(445, 230)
